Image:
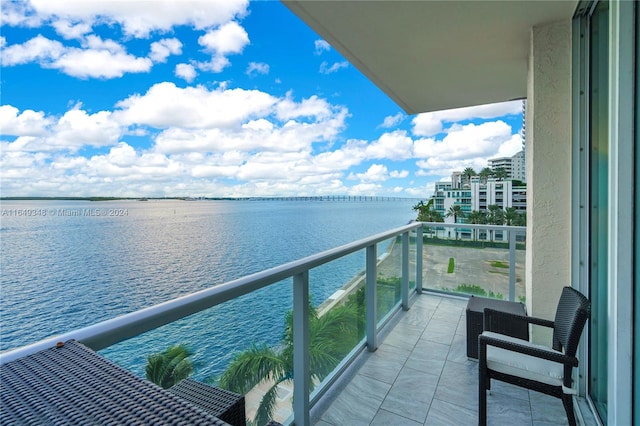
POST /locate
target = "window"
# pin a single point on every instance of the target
(598, 82)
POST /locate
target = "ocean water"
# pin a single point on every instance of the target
(69, 264)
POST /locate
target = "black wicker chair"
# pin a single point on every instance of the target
(537, 367)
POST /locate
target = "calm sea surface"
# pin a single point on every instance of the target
(69, 264)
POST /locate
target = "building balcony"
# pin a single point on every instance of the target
(420, 375)
(406, 363)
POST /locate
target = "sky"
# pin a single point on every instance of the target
(224, 98)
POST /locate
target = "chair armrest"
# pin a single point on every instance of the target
(535, 351)
(493, 317)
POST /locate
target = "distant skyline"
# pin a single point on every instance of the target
(212, 99)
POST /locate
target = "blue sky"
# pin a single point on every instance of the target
(212, 98)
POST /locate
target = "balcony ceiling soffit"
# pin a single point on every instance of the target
(435, 55)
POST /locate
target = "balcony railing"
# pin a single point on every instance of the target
(411, 270)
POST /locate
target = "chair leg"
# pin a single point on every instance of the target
(482, 399)
(567, 401)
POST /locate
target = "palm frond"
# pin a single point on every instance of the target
(267, 405)
(248, 368)
(169, 367)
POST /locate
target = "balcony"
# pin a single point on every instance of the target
(420, 374)
(411, 344)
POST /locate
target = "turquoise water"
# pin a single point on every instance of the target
(69, 264)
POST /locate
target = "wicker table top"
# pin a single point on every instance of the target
(72, 385)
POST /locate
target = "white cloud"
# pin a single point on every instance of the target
(375, 173)
(161, 49)
(365, 189)
(165, 105)
(393, 146)
(100, 63)
(392, 120)
(422, 191)
(138, 18)
(510, 147)
(71, 30)
(38, 48)
(469, 141)
(321, 46)
(76, 128)
(228, 39)
(399, 174)
(466, 146)
(325, 68)
(98, 58)
(186, 72)
(257, 68)
(27, 123)
(432, 123)
(310, 107)
(15, 13)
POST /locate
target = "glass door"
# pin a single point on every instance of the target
(598, 203)
(636, 286)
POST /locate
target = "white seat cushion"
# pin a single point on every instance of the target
(522, 365)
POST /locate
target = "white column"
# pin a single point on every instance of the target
(548, 156)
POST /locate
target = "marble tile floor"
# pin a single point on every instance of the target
(420, 375)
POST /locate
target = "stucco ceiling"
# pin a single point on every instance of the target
(435, 55)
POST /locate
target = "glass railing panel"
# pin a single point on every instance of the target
(389, 279)
(413, 254)
(337, 290)
(235, 345)
(472, 262)
(521, 253)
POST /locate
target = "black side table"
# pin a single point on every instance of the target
(475, 321)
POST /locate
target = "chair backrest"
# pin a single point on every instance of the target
(571, 316)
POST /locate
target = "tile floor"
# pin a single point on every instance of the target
(420, 375)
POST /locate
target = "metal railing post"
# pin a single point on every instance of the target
(419, 260)
(512, 265)
(371, 297)
(301, 378)
(404, 290)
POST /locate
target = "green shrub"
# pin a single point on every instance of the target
(451, 266)
(479, 244)
(499, 264)
(477, 291)
(471, 289)
(495, 295)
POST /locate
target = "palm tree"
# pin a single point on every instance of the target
(495, 216)
(170, 367)
(476, 217)
(456, 212)
(468, 172)
(500, 173)
(331, 337)
(426, 213)
(521, 220)
(485, 174)
(510, 216)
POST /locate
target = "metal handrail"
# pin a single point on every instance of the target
(110, 332)
(107, 333)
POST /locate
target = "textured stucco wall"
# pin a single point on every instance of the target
(548, 121)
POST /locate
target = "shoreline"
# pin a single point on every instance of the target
(354, 284)
(283, 408)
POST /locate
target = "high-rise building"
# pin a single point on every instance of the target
(477, 196)
(514, 166)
